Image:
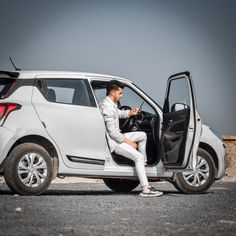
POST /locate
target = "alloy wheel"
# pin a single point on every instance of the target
(200, 175)
(32, 170)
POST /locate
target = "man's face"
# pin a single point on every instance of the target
(117, 94)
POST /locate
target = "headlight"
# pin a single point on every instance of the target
(216, 134)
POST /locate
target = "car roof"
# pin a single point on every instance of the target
(29, 74)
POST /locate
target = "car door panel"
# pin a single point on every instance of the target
(78, 130)
(181, 126)
(174, 130)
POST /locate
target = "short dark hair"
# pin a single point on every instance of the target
(114, 85)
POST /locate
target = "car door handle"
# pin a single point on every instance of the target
(44, 124)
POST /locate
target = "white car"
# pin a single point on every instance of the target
(51, 125)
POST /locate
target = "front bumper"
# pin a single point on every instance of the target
(211, 139)
(220, 150)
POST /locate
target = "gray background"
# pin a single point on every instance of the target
(144, 41)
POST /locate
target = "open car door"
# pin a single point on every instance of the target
(182, 125)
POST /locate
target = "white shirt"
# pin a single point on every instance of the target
(111, 115)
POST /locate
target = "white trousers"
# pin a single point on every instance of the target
(138, 156)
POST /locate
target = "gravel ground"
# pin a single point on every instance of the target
(92, 209)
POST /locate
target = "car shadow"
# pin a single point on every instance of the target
(61, 192)
(94, 192)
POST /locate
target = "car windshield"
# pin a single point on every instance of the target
(148, 97)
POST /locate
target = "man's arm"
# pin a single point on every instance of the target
(123, 114)
(109, 118)
(114, 132)
(127, 113)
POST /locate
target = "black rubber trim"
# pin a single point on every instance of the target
(17, 84)
(10, 74)
(90, 92)
(187, 73)
(85, 160)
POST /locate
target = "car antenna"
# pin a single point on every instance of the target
(17, 69)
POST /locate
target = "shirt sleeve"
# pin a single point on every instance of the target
(123, 113)
(109, 116)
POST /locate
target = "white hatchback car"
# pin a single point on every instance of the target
(51, 125)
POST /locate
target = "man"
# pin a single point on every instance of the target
(125, 144)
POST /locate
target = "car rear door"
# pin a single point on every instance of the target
(182, 125)
(67, 109)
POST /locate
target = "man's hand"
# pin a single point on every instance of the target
(135, 111)
(131, 143)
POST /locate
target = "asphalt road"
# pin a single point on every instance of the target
(92, 209)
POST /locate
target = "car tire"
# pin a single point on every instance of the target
(28, 169)
(121, 185)
(199, 181)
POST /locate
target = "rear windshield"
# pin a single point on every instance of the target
(5, 85)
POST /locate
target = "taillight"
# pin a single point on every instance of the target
(6, 109)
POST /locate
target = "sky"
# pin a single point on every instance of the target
(143, 41)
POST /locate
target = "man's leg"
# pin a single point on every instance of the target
(126, 150)
(139, 137)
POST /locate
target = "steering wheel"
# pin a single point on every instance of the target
(133, 120)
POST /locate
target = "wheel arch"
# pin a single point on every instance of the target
(213, 154)
(45, 143)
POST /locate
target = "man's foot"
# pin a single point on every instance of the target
(150, 192)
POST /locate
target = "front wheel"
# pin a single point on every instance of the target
(121, 185)
(200, 180)
(28, 169)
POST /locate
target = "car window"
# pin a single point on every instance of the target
(69, 91)
(100, 94)
(130, 97)
(5, 85)
(179, 95)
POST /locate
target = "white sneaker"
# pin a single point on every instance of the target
(150, 192)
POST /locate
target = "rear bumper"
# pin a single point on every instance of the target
(6, 140)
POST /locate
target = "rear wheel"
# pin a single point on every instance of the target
(200, 180)
(121, 185)
(28, 169)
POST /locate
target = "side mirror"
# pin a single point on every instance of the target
(178, 107)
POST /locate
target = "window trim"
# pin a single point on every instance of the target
(43, 90)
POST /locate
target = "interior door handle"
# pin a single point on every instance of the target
(172, 135)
